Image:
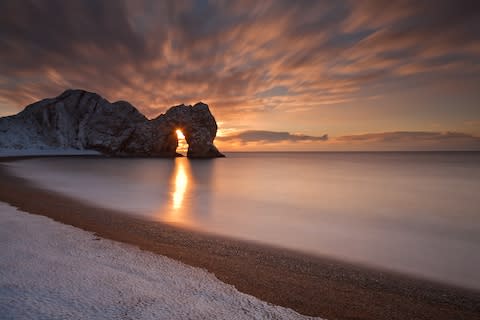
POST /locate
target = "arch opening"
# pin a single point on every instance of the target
(182, 145)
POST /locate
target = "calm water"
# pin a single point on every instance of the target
(417, 213)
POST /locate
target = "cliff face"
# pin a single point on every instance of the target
(83, 120)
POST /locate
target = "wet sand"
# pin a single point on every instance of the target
(310, 285)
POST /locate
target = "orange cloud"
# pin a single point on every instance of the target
(413, 140)
(265, 137)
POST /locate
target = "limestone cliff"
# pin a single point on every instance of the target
(85, 121)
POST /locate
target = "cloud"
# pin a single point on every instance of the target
(418, 36)
(381, 141)
(407, 135)
(233, 56)
(473, 123)
(413, 140)
(265, 137)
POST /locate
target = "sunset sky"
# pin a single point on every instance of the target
(277, 75)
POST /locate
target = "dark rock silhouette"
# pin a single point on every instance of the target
(83, 120)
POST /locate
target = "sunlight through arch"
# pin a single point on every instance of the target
(182, 143)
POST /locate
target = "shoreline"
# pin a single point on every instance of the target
(310, 285)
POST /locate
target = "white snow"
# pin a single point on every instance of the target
(53, 271)
(45, 152)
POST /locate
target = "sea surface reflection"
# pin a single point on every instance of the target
(180, 183)
(411, 212)
(176, 212)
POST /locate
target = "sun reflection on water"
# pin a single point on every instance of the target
(180, 184)
(176, 211)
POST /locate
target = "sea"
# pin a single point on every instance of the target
(416, 213)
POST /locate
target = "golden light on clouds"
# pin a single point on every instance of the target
(225, 129)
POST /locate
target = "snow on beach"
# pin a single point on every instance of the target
(49, 270)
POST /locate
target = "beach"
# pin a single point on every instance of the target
(50, 270)
(310, 285)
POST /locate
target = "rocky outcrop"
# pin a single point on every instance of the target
(83, 120)
(197, 125)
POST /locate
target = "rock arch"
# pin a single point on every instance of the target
(197, 125)
(83, 120)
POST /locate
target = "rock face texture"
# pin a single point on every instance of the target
(83, 120)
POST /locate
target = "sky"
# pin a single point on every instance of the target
(277, 75)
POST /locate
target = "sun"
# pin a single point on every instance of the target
(182, 146)
(179, 134)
